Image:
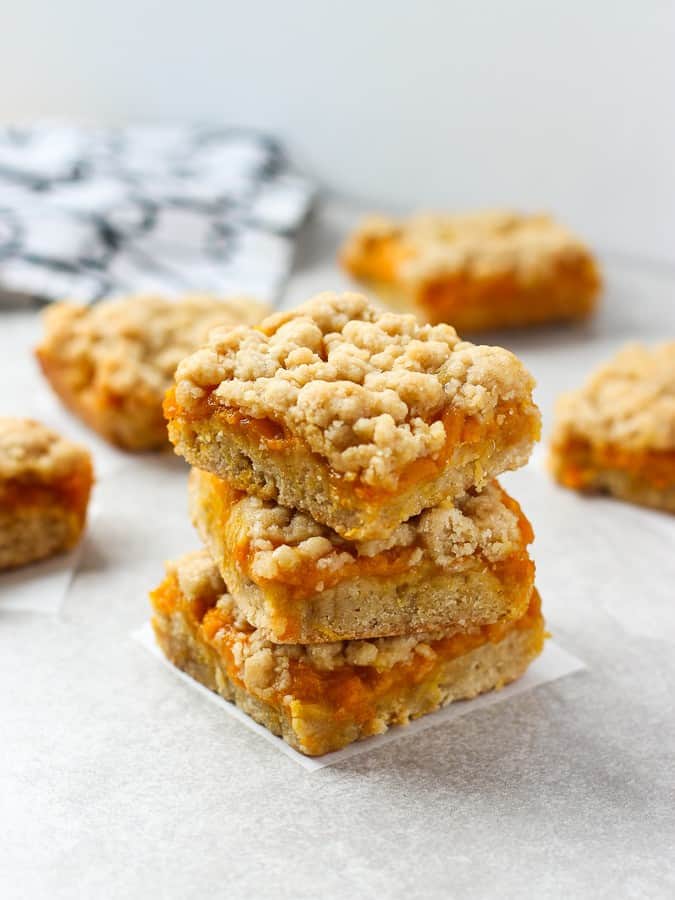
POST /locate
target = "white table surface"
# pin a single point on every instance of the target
(118, 781)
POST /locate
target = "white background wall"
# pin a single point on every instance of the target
(568, 106)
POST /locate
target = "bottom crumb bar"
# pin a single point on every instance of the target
(321, 697)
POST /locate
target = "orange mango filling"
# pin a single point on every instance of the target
(470, 301)
(71, 492)
(460, 430)
(501, 299)
(350, 692)
(580, 463)
(379, 259)
(304, 580)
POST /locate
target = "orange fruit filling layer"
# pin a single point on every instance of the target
(379, 259)
(351, 692)
(571, 288)
(580, 463)
(460, 429)
(71, 492)
(473, 301)
(304, 579)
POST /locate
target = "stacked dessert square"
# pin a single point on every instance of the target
(362, 566)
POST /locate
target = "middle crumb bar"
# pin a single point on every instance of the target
(463, 565)
(359, 417)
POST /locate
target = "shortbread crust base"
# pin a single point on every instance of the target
(31, 533)
(422, 599)
(312, 729)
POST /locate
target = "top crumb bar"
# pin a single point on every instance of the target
(476, 271)
(360, 417)
(112, 362)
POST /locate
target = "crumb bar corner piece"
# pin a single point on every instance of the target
(320, 698)
(361, 418)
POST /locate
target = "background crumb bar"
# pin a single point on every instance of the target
(616, 434)
(481, 271)
(320, 698)
(360, 417)
(461, 566)
(45, 483)
(111, 363)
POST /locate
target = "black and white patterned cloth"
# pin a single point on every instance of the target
(91, 213)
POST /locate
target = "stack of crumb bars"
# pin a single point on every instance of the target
(362, 567)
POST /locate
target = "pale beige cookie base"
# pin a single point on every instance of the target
(299, 479)
(369, 607)
(422, 599)
(305, 726)
(32, 533)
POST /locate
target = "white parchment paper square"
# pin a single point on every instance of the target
(39, 587)
(553, 663)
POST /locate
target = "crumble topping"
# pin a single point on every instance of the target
(263, 665)
(196, 575)
(363, 388)
(283, 540)
(134, 344)
(629, 402)
(481, 244)
(30, 450)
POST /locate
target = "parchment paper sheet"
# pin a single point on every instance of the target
(554, 663)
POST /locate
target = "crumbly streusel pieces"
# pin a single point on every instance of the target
(111, 363)
(358, 397)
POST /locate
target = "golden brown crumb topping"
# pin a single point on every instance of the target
(134, 344)
(32, 451)
(629, 401)
(482, 244)
(363, 388)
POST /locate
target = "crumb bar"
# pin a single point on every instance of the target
(478, 272)
(461, 566)
(322, 697)
(45, 483)
(111, 363)
(617, 433)
(361, 418)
